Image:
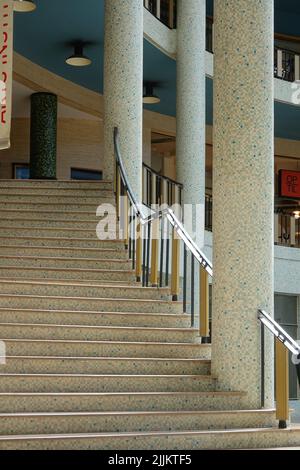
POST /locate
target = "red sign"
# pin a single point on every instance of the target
(289, 184)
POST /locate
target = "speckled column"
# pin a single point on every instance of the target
(43, 136)
(243, 193)
(190, 113)
(123, 87)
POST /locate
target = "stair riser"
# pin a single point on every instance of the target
(103, 384)
(55, 206)
(103, 366)
(63, 252)
(128, 423)
(79, 304)
(68, 185)
(221, 440)
(61, 242)
(61, 192)
(62, 199)
(95, 334)
(90, 291)
(52, 274)
(117, 349)
(68, 223)
(47, 214)
(52, 232)
(100, 319)
(65, 263)
(130, 402)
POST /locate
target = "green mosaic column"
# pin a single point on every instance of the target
(43, 136)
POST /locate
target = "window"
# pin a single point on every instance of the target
(21, 171)
(84, 174)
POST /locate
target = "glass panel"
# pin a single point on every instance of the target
(81, 174)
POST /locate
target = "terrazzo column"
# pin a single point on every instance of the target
(43, 136)
(190, 113)
(243, 193)
(123, 87)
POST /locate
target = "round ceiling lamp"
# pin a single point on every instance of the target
(24, 6)
(149, 96)
(78, 59)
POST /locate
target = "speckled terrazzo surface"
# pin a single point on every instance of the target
(243, 190)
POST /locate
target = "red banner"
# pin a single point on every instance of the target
(6, 53)
(289, 184)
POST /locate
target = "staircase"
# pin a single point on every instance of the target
(95, 361)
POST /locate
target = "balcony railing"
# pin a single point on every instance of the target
(163, 10)
(286, 62)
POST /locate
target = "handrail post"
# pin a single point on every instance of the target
(204, 304)
(118, 192)
(175, 267)
(171, 14)
(124, 219)
(138, 267)
(154, 253)
(282, 384)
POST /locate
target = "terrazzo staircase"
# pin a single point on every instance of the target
(95, 361)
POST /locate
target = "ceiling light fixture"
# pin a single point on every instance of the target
(24, 6)
(296, 214)
(78, 59)
(149, 96)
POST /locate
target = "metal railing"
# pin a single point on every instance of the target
(161, 250)
(159, 189)
(287, 230)
(163, 10)
(286, 62)
(155, 240)
(283, 345)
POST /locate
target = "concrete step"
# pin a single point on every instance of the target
(41, 196)
(63, 192)
(64, 263)
(91, 276)
(47, 214)
(68, 289)
(67, 223)
(122, 401)
(96, 318)
(61, 242)
(100, 304)
(62, 252)
(64, 232)
(72, 204)
(149, 421)
(105, 383)
(98, 333)
(77, 348)
(104, 365)
(255, 438)
(57, 184)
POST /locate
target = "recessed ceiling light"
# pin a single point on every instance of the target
(24, 6)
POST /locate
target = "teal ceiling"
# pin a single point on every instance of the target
(44, 36)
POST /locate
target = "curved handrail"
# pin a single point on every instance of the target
(168, 213)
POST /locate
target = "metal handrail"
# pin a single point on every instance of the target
(180, 185)
(168, 213)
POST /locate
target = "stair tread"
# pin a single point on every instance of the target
(87, 341)
(127, 394)
(112, 358)
(99, 327)
(136, 413)
(63, 258)
(71, 248)
(135, 376)
(150, 433)
(106, 299)
(90, 312)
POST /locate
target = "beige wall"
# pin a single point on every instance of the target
(79, 145)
